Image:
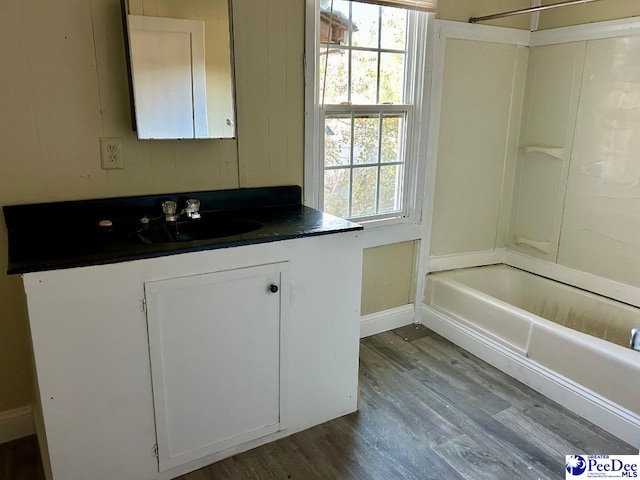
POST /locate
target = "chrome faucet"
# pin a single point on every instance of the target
(191, 210)
(634, 343)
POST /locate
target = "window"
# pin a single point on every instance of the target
(367, 82)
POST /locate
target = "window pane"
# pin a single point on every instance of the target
(394, 28)
(364, 149)
(334, 22)
(365, 181)
(366, 23)
(390, 188)
(365, 139)
(392, 136)
(337, 85)
(336, 192)
(364, 77)
(340, 8)
(337, 141)
(391, 77)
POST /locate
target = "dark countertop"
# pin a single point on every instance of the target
(50, 236)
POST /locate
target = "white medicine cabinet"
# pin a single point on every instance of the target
(181, 70)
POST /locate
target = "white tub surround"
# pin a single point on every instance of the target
(532, 328)
(559, 190)
(574, 208)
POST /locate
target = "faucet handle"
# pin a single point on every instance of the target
(169, 209)
(193, 208)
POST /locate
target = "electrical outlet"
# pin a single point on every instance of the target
(111, 153)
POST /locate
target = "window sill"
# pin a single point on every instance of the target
(387, 232)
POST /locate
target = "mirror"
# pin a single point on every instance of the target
(180, 65)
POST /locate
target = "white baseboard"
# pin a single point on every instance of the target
(465, 260)
(16, 423)
(595, 408)
(387, 320)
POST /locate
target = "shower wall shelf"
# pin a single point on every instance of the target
(544, 247)
(555, 152)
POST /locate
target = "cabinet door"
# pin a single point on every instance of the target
(216, 359)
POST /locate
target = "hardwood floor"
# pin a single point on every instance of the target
(428, 410)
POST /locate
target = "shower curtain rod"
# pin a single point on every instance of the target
(529, 10)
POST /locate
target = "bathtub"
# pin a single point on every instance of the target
(569, 344)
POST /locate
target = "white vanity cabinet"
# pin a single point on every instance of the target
(152, 368)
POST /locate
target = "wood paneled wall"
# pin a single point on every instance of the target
(588, 13)
(462, 10)
(269, 41)
(63, 85)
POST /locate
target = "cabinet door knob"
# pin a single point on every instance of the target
(273, 288)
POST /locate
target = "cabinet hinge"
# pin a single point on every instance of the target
(155, 450)
(143, 305)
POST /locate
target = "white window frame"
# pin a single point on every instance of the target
(408, 224)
